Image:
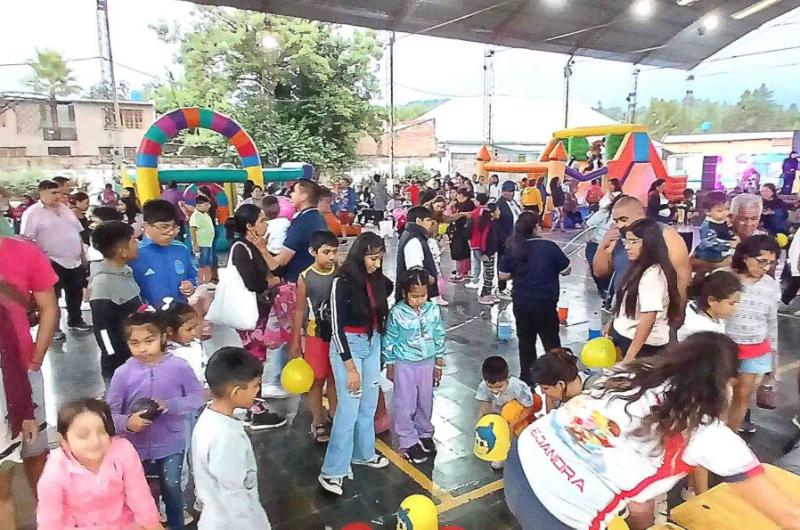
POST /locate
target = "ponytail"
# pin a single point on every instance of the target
(524, 229)
(558, 364)
(718, 284)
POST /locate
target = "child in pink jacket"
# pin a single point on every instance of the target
(95, 479)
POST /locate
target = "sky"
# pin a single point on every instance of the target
(425, 67)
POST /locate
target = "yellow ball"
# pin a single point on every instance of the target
(617, 523)
(297, 376)
(492, 438)
(599, 353)
(782, 240)
(417, 512)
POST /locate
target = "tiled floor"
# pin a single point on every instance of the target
(289, 461)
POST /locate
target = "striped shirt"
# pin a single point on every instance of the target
(756, 316)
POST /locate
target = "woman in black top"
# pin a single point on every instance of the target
(775, 212)
(358, 317)
(459, 237)
(131, 202)
(559, 198)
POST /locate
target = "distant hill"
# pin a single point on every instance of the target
(414, 109)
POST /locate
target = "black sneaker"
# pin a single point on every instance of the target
(259, 417)
(428, 445)
(80, 326)
(415, 454)
(59, 335)
(331, 485)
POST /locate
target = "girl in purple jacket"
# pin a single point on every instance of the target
(149, 396)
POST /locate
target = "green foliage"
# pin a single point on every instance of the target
(756, 111)
(22, 180)
(417, 172)
(307, 101)
(102, 90)
(51, 75)
(414, 109)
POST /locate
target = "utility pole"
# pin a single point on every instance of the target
(632, 96)
(488, 95)
(108, 78)
(391, 106)
(567, 77)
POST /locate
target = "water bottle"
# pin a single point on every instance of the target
(503, 326)
(595, 326)
(563, 308)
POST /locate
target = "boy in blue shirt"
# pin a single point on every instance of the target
(164, 267)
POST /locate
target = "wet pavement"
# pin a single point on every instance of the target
(467, 491)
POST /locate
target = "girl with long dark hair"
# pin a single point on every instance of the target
(459, 237)
(358, 317)
(754, 324)
(647, 299)
(559, 198)
(131, 202)
(535, 265)
(657, 203)
(634, 435)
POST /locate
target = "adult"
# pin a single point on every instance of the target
(459, 237)
(256, 196)
(558, 198)
(613, 190)
(493, 190)
(789, 171)
(647, 298)
(380, 198)
(413, 189)
(249, 256)
(754, 324)
(745, 211)
(430, 192)
(634, 436)
(775, 212)
(175, 197)
(325, 207)
(535, 265)
(657, 203)
(108, 197)
(477, 185)
(131, 202)
(26, 289)
(54, 228)
(509, 212)
(600, 221)
(612, 261)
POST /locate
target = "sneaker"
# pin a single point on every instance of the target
(428, 445)
(504, 295)
(376, 462)
(470, 285)
(796, 420)
(187, 517)
(497, 466)
(198, 505)
(747, 427)
(85, 306)
(259, 417)
(80, 326)
(487, 300)
(59, 335)
(274, 391)
(331, 485)
(415, 454)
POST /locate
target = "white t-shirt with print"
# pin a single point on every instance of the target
(696, 321)
(516, 389)
(585, 463)
(653, 296)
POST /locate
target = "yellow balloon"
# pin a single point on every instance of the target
(782, 240)
(599, 353)
(297, 376)
(492, 438)
(417, 512)
(617, 523)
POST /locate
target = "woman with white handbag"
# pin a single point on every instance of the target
(243, 298)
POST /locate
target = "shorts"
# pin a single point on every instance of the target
(39, 445)
(756, 365)
(346, 218)
(623, 343)
(317, 353)
(208, 258)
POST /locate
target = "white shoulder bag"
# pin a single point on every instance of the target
(234, 304)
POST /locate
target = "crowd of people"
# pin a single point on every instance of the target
(695, 329)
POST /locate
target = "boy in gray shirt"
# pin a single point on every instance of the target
(225, 474)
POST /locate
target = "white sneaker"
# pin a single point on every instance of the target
(471, 285)
(331, 485)
(274, 391)
(504, 295)
(85, 306)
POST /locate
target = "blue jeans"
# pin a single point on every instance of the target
(353, 432)
(168, 470)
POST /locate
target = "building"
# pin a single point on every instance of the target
(521, 128)
(36, 127)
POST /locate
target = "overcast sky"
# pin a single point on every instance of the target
(426, 67)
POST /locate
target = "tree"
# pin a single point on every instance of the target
(53, 77)
(102, 90)
(308, 101)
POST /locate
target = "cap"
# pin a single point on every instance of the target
(509, 186)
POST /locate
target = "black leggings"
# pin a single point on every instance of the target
(535, 318)
(71, 281)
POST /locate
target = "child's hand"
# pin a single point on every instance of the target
(136, 423)
(295, 350)
(390, 373)
(353, 381)
(195, 249)
(437, 375)
(186, 288)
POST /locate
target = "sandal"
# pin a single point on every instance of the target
(321, 433)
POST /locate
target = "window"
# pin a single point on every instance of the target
(522, 157)
(9, 152)
(108, 119)
(679, 163)
(129, 153)
(3, 113)
(59, 151)
(132, 118)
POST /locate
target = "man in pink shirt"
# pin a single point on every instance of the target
(55, 229)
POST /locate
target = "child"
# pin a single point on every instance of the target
(499, 388)
(413, 349)
(167, 381)
(164, 267)
(475, 241)
(113, 292)
(358, 322)
(79, 203)
(716, 238)
(714, 297)
(413, 250)
(94, 479)
(556, 372)
(225, 473)
(201, 230)
(312, 313)
(487, 245)
(183, 325)
(276, 224)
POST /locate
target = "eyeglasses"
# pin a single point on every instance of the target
(631, 242)
(764, 263)
(164, 227)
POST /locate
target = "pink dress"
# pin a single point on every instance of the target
(117, 497)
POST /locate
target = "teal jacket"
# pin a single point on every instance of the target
(413, 336)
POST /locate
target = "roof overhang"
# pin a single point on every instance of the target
(672, 37)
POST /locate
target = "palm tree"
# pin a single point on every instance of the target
(53, 77)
